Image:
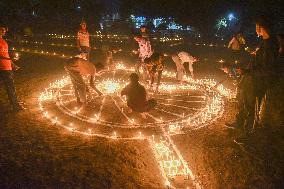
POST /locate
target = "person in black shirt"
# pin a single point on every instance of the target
(264, 68)
(257, 78)
(137, 97)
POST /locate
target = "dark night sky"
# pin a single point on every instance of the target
(199, 13)
(202, 13)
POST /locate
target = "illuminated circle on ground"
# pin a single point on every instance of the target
(180, 107)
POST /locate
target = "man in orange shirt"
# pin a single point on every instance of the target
(6, 73)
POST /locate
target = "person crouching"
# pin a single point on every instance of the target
(137, 97)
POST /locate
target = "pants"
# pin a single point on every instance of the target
(262, 85)
(140, 63)
(235, 55)
(8, 79)
(246, 104)
(152, 75)
(188, 69)
(78, 84)
(150, 104)
(180, 74)
(86, 50)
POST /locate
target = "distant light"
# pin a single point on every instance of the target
(101, 26)
(231, 16)
(79, 7)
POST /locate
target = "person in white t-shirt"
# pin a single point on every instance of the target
(144, 51)
(179, 66)
(187, 58)
(83, 40)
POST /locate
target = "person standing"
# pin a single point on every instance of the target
(83, 39)
(258, 77)
(144, 51)
(265, 67)
(6, 72)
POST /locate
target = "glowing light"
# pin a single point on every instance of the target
(231, 17)
(169, 158)
(109, 86)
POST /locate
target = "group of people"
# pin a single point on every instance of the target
(153, 63)
(80, 66)
(259, 77)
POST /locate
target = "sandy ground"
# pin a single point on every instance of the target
(35, 154)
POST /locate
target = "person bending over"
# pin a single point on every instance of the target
(187, 58)
(180, 68)
(137, 97)
(155, 65)
(77, 67)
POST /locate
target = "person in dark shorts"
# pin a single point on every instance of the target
(137, 97)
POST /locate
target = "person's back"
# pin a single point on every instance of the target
(136, 96)
(234, 44)
(85, 67)
(185, 57)
(266, 56)
(145, 49)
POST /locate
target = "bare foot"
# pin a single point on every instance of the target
(157, 91)
(130, 111)
(143, 115)
(79, 101)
